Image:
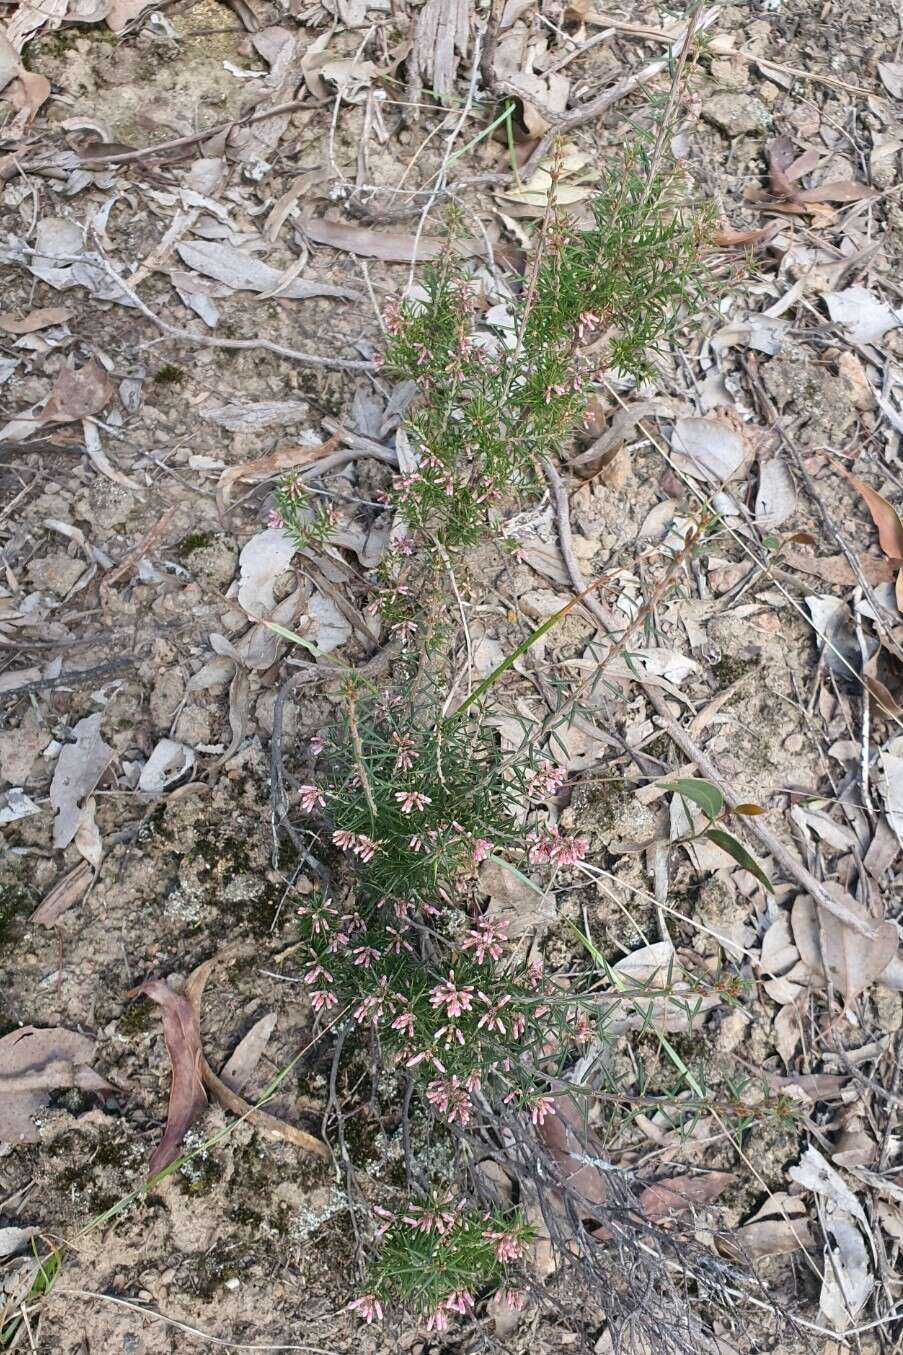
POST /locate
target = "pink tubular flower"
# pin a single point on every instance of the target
(546, 780)
(405, 757)
(365, 847)
(455, 1000)
(480, 849)
(404, 629)
(508, 1246)
(540, 1108)
(316, 746)
(411, 799)
(404, 1023)
(369, 1307)
(275, 518)
(310, 797)
(460, 1301)
(585, 322)
(364, 956)
(323, 1000)
(437, 1321)
(515, 1298)
(342, 838)
(547, 844)
(315, 972)
(492, 1018)
(436, 1217)
(450, 1097)
(487, 938)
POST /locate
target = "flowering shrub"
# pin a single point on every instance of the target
(411, 801)
(438, 1256)
(495, 403)
(305, 524)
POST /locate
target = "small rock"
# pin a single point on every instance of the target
(166, 694)
(854, 381)
(106, 506)
(730, 71)
(55, 573)
(214, 562)
(18, 750)
(736, 114)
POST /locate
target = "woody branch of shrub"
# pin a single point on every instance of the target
(413, 799)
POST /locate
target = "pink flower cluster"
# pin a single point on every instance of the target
(546, 780)
(310, 797)
(359, 843)
(509, 1246)
(450, 1096)
(548, 845)
(487, 938)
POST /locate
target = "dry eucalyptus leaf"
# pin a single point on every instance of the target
(79, 768)
(892, 784)
(43, 318)
(187, 1098)
(891, 73)
(513, 898)
(864, 316)
(33, 1063)
(262, 561)
(246, 273)
(167, 764)
(832, 622)
(707, 449)
(87, 838)
(775, 496)
(15, 805)
(390, 246)
(67, 891)
(13, 1240)
(244, 1060)
(828, 947)
(330, 628)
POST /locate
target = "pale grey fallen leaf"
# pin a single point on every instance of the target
(168, 763)
(15, 804)
(248, 418)
(636, 1000)
(832, 622)
(33, 1063)
(707, 449)
(15, 1239)
(78, 770)
(815, 1173)
(87, 838)
(208, 174)
(61, 260)
(776, 494)
(242, 1063)
(837, 835)
(665, 663)
(245, 273)
(848, 1280)
(892, 784)
(764, 333)
(891, 73)
(864, 316)
(330, 629)
(203, 306)
(263, 559)
(851, 961)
